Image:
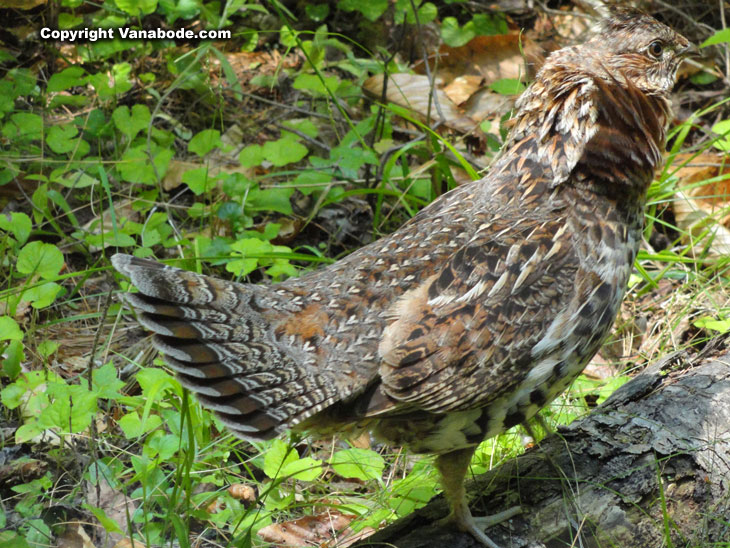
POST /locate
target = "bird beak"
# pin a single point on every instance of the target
(690, 51)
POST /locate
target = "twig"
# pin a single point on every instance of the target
(727, 50)
(432, 83)
(689, 18)
(303, 135)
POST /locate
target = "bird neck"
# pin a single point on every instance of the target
(599, 134)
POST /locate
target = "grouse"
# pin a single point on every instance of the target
(474, 314)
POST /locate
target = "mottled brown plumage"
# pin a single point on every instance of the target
(473, 315)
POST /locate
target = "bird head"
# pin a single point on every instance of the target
(636, 47)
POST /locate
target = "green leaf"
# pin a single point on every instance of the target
(427, 12)
(23, 81)
(284, 151)
(270, 199)
(68, 78)
(314, 54)
(282, 268)
(236, 185)
(251, 156)
(610, 386)
(14, 356)
(288, 36)
(250, 40)
(40, 258)
(315, 84)
(721, 326)
(110, 239)
(43, 295)
(68, 20)
(722, 128)
(306, 469)
(455, 36)
(137, 7)
(48, 348)
(351, 158)
(488, 25)
(27, 432)
(130, 124)
(205, 141)
(372, 9)
(9, 329)
(24, 126)
(317, 12)
(76, 179)
(19, 224)
(109, 525)
(180, 9)
(303, 125)
(72, 407)
(363, 464)
(164, 446)
(6, 56)
(413, 491)
(11, 539)
(703, 78)
(312, 181)
(133, 427)
(121, 78)
(105, 382)
(279, 455)
(135, 166)
(198, 180)
(13, 395)
(508, 86)
(243, 264)
(153, 381)
(719, 37)
(60, 139)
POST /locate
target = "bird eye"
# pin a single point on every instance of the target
(656, 48)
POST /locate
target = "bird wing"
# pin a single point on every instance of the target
(464, 336)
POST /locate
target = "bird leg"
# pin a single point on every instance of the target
(546, 430)
(453, 467)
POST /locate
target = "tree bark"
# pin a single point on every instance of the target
(651, 463)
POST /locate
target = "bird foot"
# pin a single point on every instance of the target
(464, 521)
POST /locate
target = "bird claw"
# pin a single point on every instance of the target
(467, 523)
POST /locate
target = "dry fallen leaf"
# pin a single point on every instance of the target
(463, 87)
(704, 207)
(362, 441)
(123, 209)
(248, 64)
(22, 4)
(348, 538)
(215, 506)
(22, 470)
(556, 30)
(176, 169)
(413, 91)
(242, 492)
(306, 531)
(129, 543)
(74, 536)
(117, 508)
(600, 369)
(462, 80)
(491, 57)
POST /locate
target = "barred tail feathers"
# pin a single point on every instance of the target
(223, 350)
